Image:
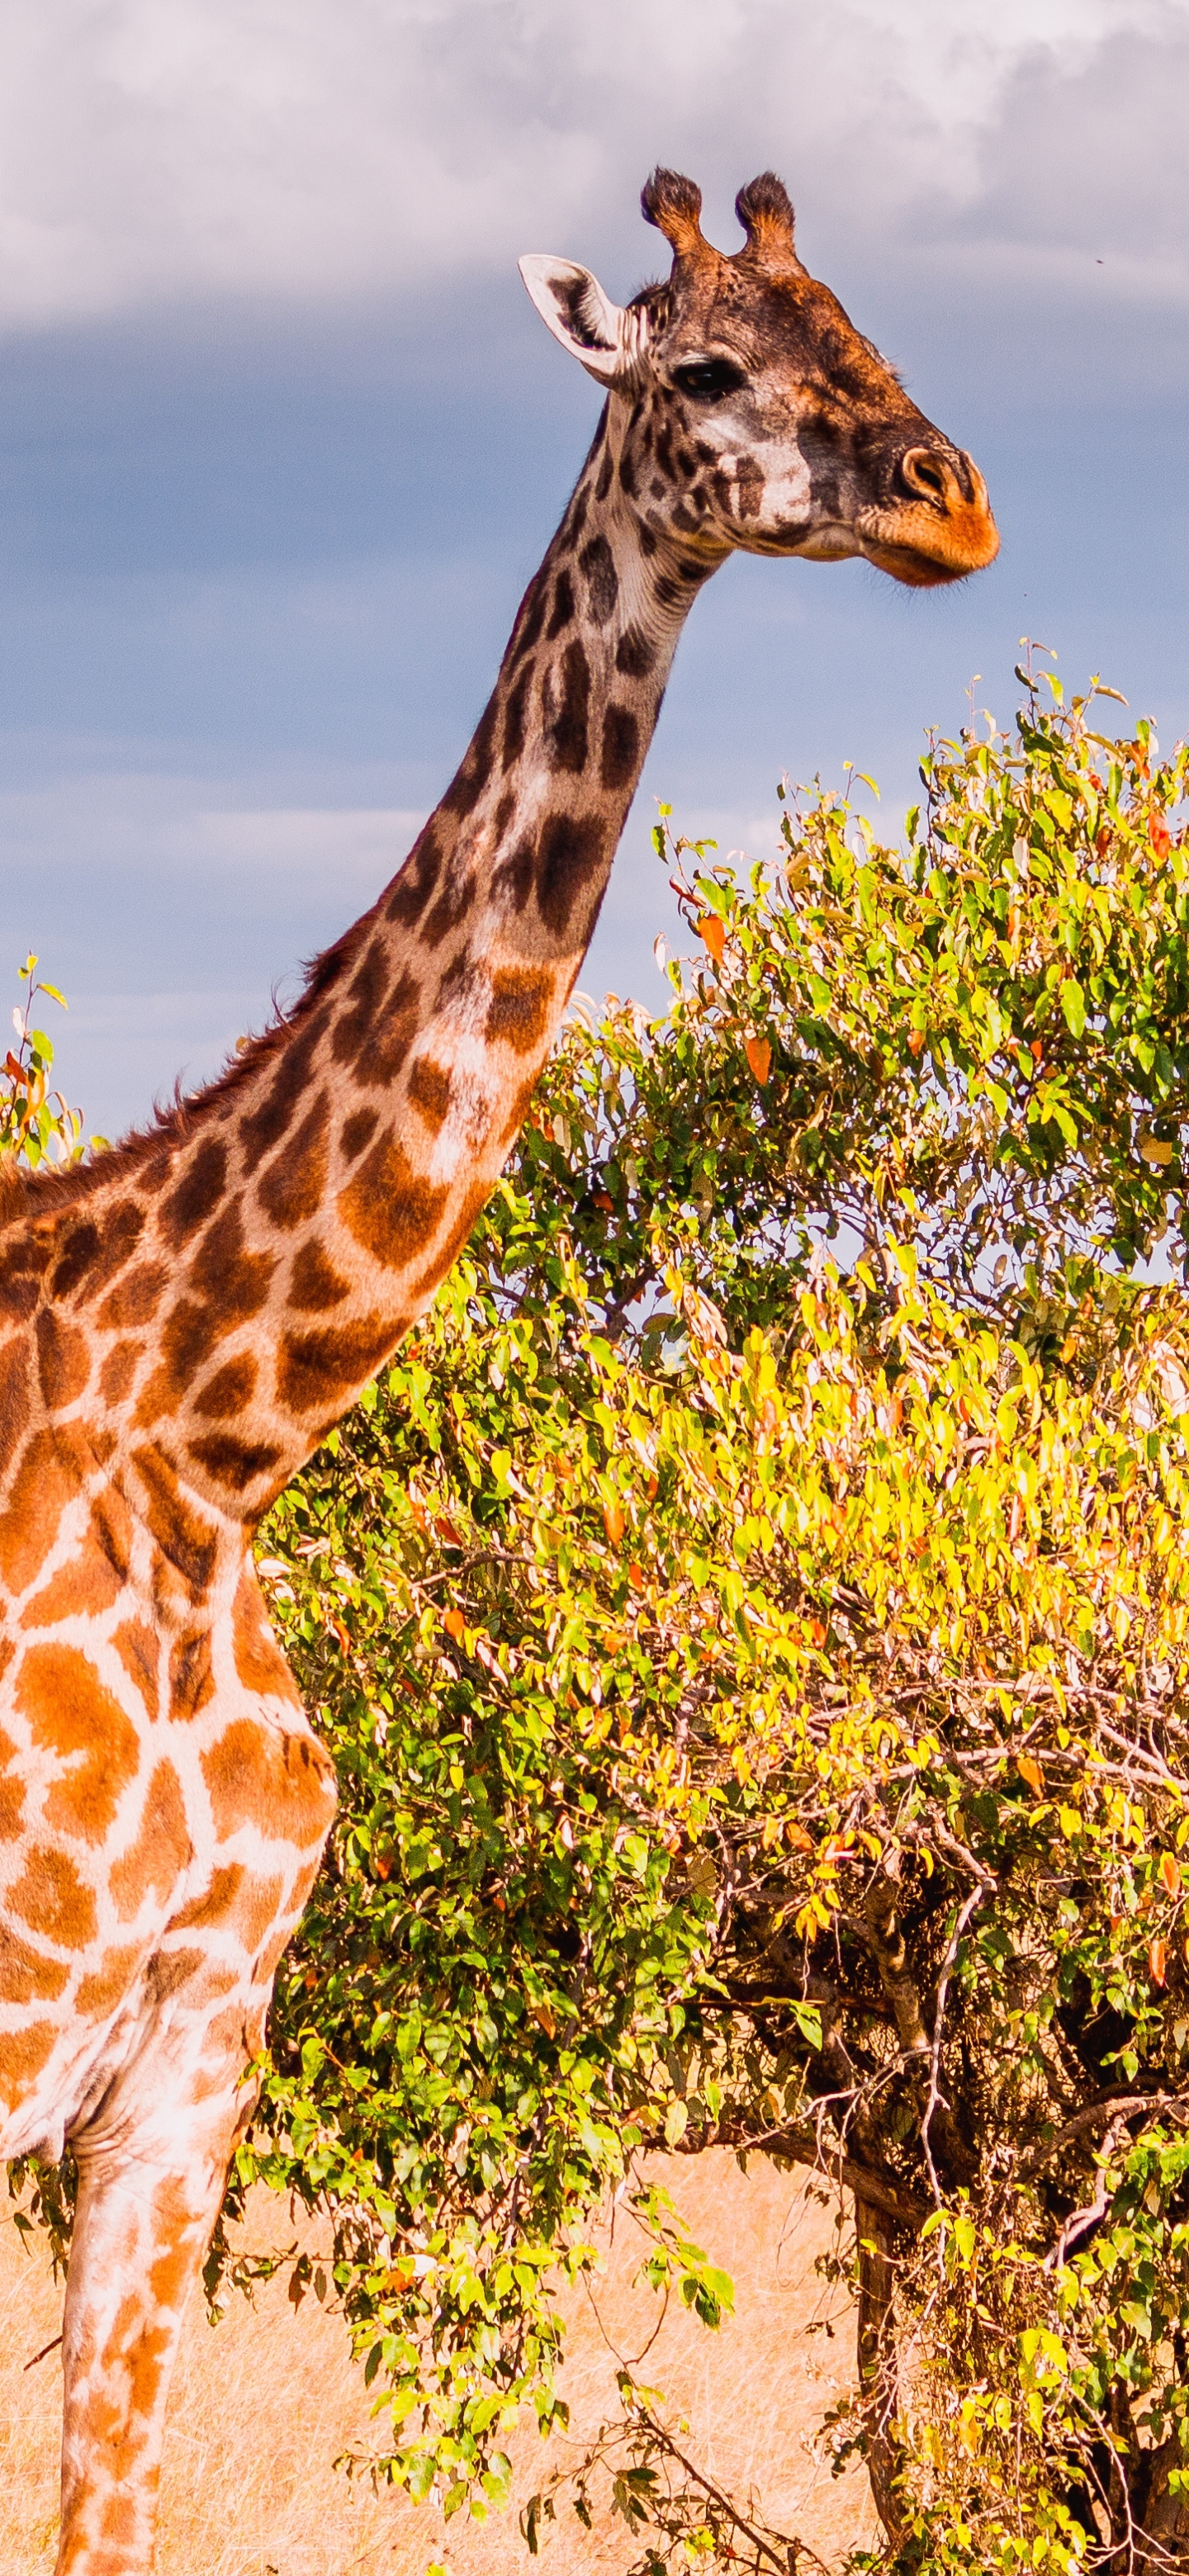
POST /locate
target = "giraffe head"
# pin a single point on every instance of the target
(754, 414)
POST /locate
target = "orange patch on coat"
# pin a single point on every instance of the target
(63, 1359)
(99, 1993)
(136, 1299)
(191, 1682)
(12, 1792)
(282, 1783)
(25, 2053)
(389, 1207)
(25, 1976)
(52, 1899)
(45, 1482)
(14, 1397)
(189, 1542)
(70, 1711)
(118, 1371)
(162, 1849)
(84, 1587)
(258, 1659)
(137, 1645)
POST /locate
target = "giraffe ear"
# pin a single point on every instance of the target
(604, 338)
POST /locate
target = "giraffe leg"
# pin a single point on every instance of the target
(150, 2186)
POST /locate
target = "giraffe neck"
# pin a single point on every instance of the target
(300, 1214)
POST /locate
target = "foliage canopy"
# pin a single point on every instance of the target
(751, 1619)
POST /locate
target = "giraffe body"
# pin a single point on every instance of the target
(182, 1321)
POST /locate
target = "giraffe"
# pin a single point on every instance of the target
(183, 1319)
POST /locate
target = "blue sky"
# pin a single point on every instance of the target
(281, 438)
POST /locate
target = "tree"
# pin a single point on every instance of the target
(751, 1622)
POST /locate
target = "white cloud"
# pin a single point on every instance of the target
(157, 150)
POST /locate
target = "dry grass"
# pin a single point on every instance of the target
(264, 2401)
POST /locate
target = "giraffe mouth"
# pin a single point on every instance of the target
(939, 535)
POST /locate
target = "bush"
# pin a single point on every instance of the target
(751, 1619)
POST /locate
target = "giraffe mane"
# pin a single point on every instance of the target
(176, 1120)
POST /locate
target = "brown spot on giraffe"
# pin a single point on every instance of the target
(291, 1186)
(414, 886)
(521, 1007)
(119, 1370)
(64, 1360)
(390, 1208)
(229, 1391)
(621, 747)
(186, 1539)
(429, 1091)
(314, 1283)
(313, 1369)
(135, 1300)
(567, 713)
(91, 1256)
(191, 1682)
(15, 1375)
(236, 1464)
(570, 859)
(358, 1131)
(197, 1195)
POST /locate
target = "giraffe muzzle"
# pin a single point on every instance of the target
(939, 528)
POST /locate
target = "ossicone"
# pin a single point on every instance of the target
(674, 205)
(765, 211)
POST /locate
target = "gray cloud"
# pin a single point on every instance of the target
(157, 151)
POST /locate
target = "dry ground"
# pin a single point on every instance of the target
(265, 2400)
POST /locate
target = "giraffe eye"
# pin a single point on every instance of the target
(708, 378)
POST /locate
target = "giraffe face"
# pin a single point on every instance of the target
(755, 416)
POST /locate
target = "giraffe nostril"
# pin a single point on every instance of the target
(924, 472)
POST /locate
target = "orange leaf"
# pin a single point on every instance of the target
(636, 1577)
(544, 2019)
(1031, 1772)
(1161, 839)
(1158, 1960)
(759, 1057)
(613, 1523)
(1170, 1871)
(454, 1624)
(711, 930)
(916, 1041)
